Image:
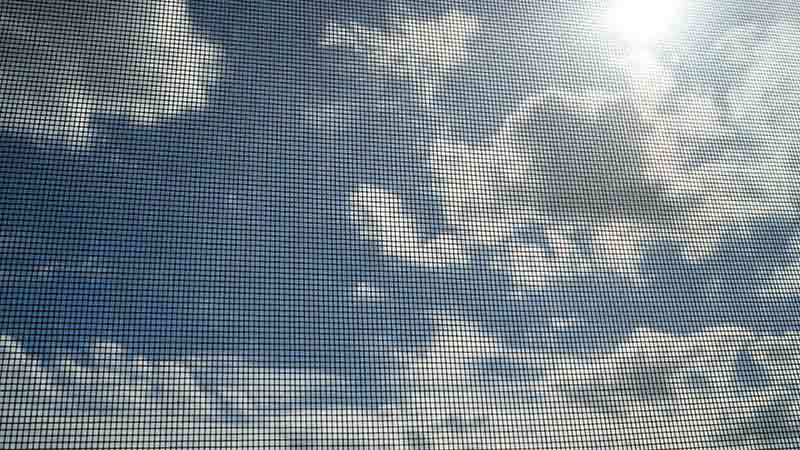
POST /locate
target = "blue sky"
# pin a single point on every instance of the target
(357, 215)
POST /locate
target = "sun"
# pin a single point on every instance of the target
(643, 22)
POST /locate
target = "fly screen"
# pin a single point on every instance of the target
(406, 224)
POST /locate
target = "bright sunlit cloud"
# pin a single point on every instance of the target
(643, 22)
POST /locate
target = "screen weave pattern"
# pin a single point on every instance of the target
(405, 224)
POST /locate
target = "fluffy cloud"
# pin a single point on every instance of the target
(65, 61)
(782, 356)
(615, 247)
(364, 292)
(380, 217)
(465, 389)
(117, 400)
(455, 344)
(654, 390)
(421, 51)
(562, 161)
(661, 390)
(643, 161)
(113, 401)
(599, 160)
(567, 161)
(784, 282)
(774, 68)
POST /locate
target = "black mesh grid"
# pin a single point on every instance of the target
(406, 224)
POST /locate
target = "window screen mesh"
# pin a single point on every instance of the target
(407, 224)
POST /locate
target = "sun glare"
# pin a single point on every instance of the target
(643, 22)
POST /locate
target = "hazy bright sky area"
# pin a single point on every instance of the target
(407, 224)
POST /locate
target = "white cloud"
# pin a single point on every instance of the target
(654, 390)
(418, 50)
(380, 217)
(531, 266)
(347, 428)
(635, 166)
(673, 391)
(784, 282)
(115, 400)
(557, 161)
(637, 163)
(645, 24)
(247, 390)
(553, 160)
(615, 248)
(782, 356)
(140, 59)
(454, 344)
(566, 161)
(50, 413)
(564, 323)
(730, 193)
(365, 292)
(775, 69)
(563, 160)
